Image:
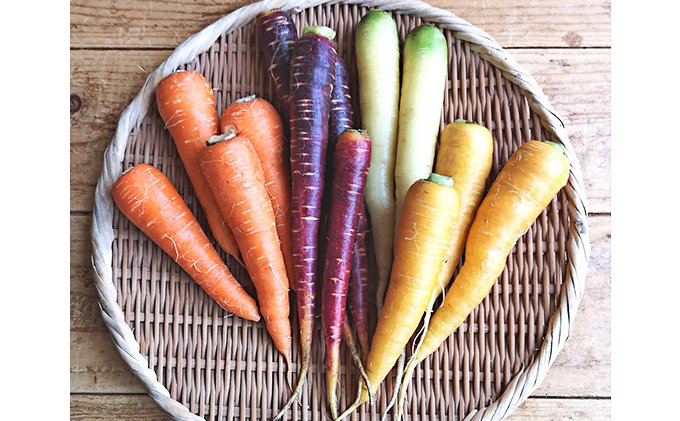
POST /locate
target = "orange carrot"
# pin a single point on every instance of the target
(257, 120)
(187, 106)
(148, 199)
(234, 173)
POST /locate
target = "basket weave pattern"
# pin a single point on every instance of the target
(199, 362)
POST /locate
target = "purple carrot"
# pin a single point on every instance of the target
(357, 298)
(341, 104)
(351, 162)
(341, 114)
(340, 119)
(311, 83)
(276, 35)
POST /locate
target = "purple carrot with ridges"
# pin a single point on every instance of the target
(312, 71)
(357, 298)
(351, 163)
(276, 35)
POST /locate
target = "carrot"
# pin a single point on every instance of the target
(420, 106)
(423, 84)
(311, 83)
(234, 173)
(148, 199)
(525, 186)
(377, 57)
(357, 296)
(428, 217)
(465, 154)
(352, 159)
(257, 120)
(340, 118)
(276, 35)
(187, 106)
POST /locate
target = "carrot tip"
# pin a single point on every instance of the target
(298, 389)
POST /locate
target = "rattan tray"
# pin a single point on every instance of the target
(198, 362)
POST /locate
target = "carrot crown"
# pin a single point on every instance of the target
(246, 99)
(440, 179)
(323, 31)
(555, 145)
(266, 13)
(359, 131)
(219, 138)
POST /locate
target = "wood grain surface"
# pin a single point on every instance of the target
(565, 45)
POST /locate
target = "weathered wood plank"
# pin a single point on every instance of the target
(164, 24)
(143, 408)
(577, 82)
(583, 368)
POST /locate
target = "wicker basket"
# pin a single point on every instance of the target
(198, 362)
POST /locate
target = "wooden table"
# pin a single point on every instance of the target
(564, 44)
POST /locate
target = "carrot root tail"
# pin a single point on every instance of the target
(395, 394)
(357, 359)
(298, 388)
(333, 398)
(351, 409)
(363, 380)
(413, 360)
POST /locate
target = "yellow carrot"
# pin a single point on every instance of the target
(428, 217)
(465, 154)
(525, 186)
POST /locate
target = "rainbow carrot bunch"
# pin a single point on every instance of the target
(290, 194)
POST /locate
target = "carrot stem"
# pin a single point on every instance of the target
(440, 179)
(557, 146)
(324, 31)
(219, 138)
(246, 99)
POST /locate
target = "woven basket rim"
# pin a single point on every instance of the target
(578, 243)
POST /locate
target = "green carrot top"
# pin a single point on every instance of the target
(324, 31)
(440, 179)
(557, 146)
